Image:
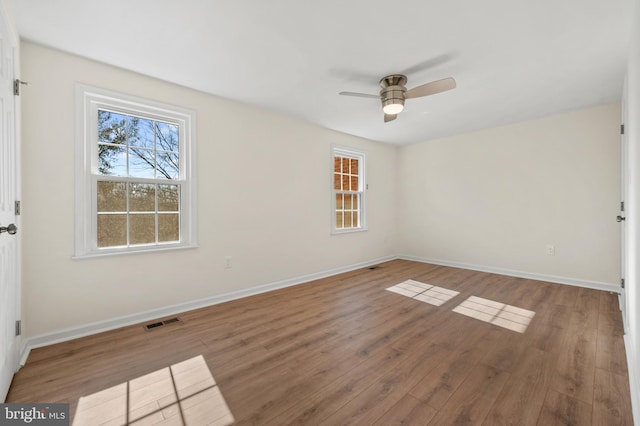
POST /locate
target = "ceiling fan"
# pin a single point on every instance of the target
(394, 93)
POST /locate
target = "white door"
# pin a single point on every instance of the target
(9, 185)
(624, 176)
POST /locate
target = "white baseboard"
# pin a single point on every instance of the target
(633, 384)
(520, 274)
(126, 320)
(152, 314)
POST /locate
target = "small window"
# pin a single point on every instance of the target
(348, 190)
(135, 175)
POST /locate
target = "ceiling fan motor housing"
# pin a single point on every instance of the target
(393, 90)
(392, 95)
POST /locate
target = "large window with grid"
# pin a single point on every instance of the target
(135, 189)
(348, 190)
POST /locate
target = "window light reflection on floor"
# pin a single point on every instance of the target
(182, 394)
(427, 293)
(500, 314)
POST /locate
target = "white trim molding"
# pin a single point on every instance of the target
(596, 285)
(153, 314)
(633, 383)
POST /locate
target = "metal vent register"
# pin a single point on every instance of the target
(161, 323)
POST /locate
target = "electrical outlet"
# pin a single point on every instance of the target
(551, 250)
(227, 262)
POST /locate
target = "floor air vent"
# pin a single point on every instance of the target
(161, 323)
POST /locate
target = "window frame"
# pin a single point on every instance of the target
(88, 101)
(343, 151)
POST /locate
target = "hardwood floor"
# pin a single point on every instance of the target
(343, 350)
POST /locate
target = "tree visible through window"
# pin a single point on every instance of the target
(348, 189)
(139, 210)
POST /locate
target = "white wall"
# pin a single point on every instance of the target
(632, 128)
(263, 190)
(495, 198)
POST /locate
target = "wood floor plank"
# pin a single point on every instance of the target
(523, 394)
(610, 352)
(407, 411)
(554, 315)
(342, 350)
(265, 396)
(611, 401)
(394, 383)
(473, 399)
(439, 384)
(562, 410)
(565, 295)
(609, 302)
(588, 300)
(331, 398)
(546, 337)
(576, 363)
(386, 390)
(611, 322)
(504, 354)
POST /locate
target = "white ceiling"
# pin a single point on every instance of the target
(512, 59)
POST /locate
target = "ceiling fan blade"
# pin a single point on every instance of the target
(390, 117)
(432, 62)
(431, 88)
(359, 95)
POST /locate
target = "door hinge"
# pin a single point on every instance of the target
(17, 208)
(16, 86)
(18, 327)
(621, 206)
(622, 282)
(622, 129)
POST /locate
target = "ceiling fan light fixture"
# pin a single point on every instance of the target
(395, 106)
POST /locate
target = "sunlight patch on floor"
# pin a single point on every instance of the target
(182, 394)
(427, 293)
(500, 314)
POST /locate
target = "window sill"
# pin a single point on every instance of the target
(135, 250)
(347, 231)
